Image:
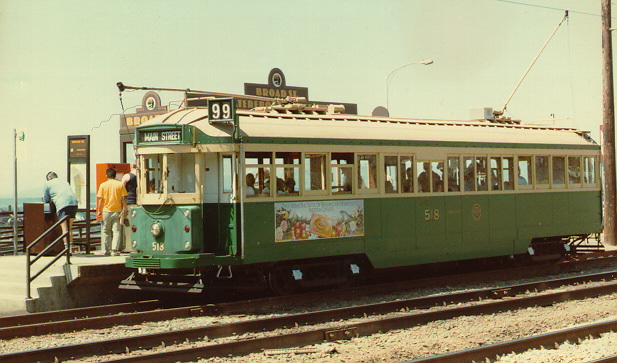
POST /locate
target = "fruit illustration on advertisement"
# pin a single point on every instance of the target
(322, 226)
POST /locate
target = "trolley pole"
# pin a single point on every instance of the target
(608, 144)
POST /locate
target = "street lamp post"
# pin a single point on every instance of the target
(425, 62)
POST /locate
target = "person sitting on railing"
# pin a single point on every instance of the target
(61, 194)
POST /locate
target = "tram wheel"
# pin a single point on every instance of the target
(281, 281)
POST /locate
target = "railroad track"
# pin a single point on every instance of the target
(223, 339)
(493, 351)
(104, 316)
(100, 317)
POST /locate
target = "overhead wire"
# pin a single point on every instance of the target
(547, 7)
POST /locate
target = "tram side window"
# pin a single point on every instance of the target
(524, 170)
(367, 171)
(287, 170)
(541, 169)
(496, 177)
(574, 170)
(258, 165)
(315, 172)
(227, 168)
(481, 174)
(406, 168)
(559, 170)
(252, 189)
(469, 174)
(342, 169)
(589, 162)
(154, 173)
(391, 171)
(454, 177)
(430, 176)
(181, 173)
(508, 173)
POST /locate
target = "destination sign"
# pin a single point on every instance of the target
(161, 136)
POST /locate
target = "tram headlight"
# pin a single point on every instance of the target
(187, 245)
(134, 244)
(156, 229)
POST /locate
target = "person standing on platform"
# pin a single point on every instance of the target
(61, 194)
(110, 204)
(129, 181)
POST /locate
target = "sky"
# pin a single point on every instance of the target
(60, 61)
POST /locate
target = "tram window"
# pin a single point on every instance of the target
(287, 171)
(342, 169)
(367, 171)
(264, 184)
(454, 177)
(469, 175)
(252, 188)
(430, 176)
(541, 169)
(341, 180)
(391, 171)
(496, 179)
(437, 176)
(181, 173)
(406, 167)
(559, 170)
(507, 165)
(227, 168)
(589, 162)
(481, 174)
(258, 164)
(574, 170)
(154, 173)
(287, 180)
(314, 172)
(524, 170)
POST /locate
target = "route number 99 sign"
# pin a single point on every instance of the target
(222, 110)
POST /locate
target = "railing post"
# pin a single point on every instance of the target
(69, 237)
(28, 272)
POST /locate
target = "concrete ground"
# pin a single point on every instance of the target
(61, 286)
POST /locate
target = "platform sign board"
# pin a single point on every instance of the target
(78, 176)
(78, 171)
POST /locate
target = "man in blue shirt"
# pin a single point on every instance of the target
(61, 194)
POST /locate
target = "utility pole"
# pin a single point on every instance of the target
(15, 246)
(608, 144)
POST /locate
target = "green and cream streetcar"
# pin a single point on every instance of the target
(296, 195)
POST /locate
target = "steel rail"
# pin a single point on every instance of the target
(400, 321)
(77, 313)
(524, 344)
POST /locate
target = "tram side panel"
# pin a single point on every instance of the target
(501, 216)
(554, 214)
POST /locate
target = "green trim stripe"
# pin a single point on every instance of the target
(204, 139)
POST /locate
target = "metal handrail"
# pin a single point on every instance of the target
(66, 250)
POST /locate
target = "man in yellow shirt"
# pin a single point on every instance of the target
(110, 206)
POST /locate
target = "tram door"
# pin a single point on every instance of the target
(225, 216)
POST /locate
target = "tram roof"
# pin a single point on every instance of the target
(259, 125)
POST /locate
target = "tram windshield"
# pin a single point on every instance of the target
(170, 173)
